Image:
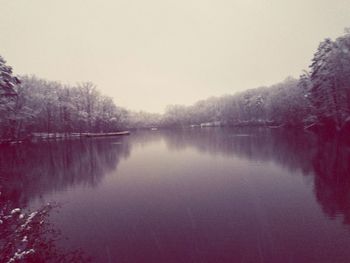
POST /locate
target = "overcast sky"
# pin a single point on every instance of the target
(148, 54)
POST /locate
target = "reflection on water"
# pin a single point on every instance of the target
(289, 149)
(201, 195)
(327, 160)
(29, 171)
(331, 166)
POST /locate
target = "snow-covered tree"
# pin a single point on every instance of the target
(7, 80)
(330, 80)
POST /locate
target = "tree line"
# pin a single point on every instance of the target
(320, 97)
(284, 103)
(51, 107)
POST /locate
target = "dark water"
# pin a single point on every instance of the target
(205, 195)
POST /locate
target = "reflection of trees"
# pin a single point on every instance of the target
(145, 137)
(332, 178)
(288, 148)
(327, 159)
(29, 171)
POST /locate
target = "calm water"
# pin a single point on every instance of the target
(204, 195)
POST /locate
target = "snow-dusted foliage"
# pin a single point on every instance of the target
(7, 80)
(283, 103)
(330, 80)
(50, 107)
(320, 96)
(29, 237)
(8, 96)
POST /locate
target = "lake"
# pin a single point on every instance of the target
(196, 195)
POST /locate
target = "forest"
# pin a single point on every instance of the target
(319, 99)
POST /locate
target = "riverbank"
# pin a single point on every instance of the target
(35, 137)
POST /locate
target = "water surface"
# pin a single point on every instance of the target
(201, 195)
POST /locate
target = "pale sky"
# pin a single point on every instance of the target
(147, 54)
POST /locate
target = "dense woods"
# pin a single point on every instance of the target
(50, 107)
(319, 98)
(284, 103)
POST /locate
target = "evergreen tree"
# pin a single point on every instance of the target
(7, 80)
(330, 75)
